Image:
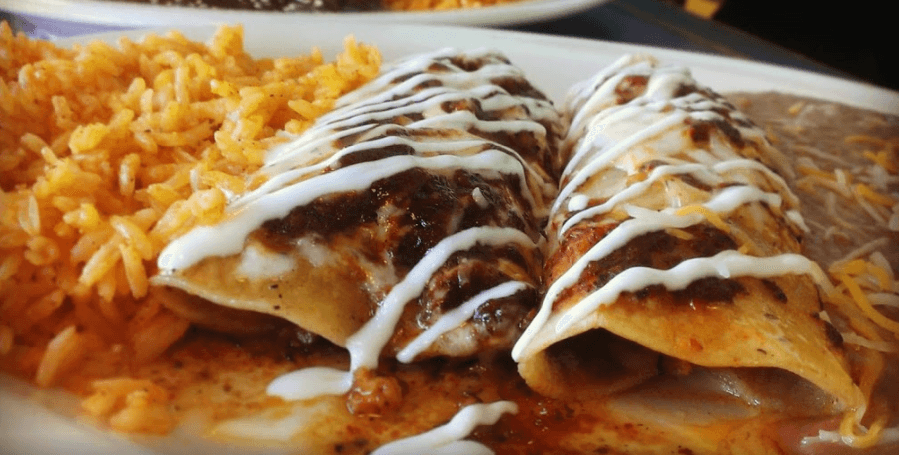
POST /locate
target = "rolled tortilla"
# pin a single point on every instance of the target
(674, 244)
(422, 196)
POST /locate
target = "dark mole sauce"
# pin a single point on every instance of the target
(776, 292)
(700, 293)
(374, 154)
(465, 275)
(480, 273)
(660, 250)
(428, 205)
(425, 208)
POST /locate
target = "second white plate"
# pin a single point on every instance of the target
(124, 14)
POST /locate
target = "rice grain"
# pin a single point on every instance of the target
(107, 152)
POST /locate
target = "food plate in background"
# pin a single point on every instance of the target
(33, 421)
(61, 18)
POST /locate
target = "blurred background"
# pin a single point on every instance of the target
(858, 37)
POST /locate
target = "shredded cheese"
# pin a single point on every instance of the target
(864, 139)
(875, 212)
(885, 298)
(809, 182)
(796, 108)
(709, 215)
(854, 274)
(868, 438)
(853, 267)
(881, 275)
(861, 300)
(868, 193)
(679, 233)
(808, 170)
(858, 340)
(867, 248)
(882, 159)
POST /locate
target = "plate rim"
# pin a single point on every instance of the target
(145, 15)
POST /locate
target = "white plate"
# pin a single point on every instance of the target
(121, 14)
(28, 426)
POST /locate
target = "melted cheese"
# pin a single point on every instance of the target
(257, 263)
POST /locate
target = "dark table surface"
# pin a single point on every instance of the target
(656, 23)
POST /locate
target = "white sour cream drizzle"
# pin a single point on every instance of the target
(644, 221)
(447, 439)
(653, 126)
(380, 99)
(310, 382)
(601, 89)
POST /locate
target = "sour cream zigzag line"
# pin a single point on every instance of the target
(702, 172)
(379, 90)
(286, 177)
(226, 238)
(428, 103)
(386, 98)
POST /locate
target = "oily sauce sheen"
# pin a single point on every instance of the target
(227, 376)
